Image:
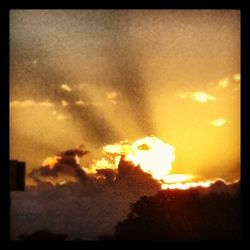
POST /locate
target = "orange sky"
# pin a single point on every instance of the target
(100, 76)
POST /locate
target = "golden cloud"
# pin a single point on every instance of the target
(218, 122)
(236, 77)
(198, 96)
(30, 103)
(112, 96)
(64, 103)
(80, 103)
(229, 81)
(223, 83)
(66, 87)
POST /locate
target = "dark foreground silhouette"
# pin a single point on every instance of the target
(182, 215)
(193, 214)
(43, 235)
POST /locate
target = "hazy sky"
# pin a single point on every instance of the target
(96, 77)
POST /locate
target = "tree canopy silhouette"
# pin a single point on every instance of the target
(182, 215)
(43, 235)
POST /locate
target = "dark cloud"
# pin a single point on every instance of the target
(74, 152)
(81, 211)
(66, 165)
(90, 206)
(220, 187)
(86, 211)
(108, 174)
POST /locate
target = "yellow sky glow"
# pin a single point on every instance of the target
(130, 74)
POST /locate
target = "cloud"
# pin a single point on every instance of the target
(46, 104)
(83, 209)
(92, 209)
(61, 117)
(22, 104)
(30, 103)
(63, 164)
(112, 97)
(66, 87)
(218, 122)
(236, 77)
(203, 97)
(232, 81)
(82, 85)
(223, 83)
(81, 103)
(198, 96)
(35, 61)
(64, 103)
(74, 152)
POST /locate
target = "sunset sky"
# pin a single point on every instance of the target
(96, 77)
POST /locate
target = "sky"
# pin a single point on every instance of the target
(97, 77)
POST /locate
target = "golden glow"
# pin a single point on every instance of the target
(51, 161)
(116, 84)
(194, 184)
(77, 159)
(187, 185)
(153, 155)
(175, 178)
(100, 164)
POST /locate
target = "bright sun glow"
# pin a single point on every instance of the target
(202, 97)
(153, 155)
(51, 161)
(219, 122)
(150, 153)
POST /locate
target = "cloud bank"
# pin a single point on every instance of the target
(84, 207)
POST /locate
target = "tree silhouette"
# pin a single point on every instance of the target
(43, 235)
(182, 215)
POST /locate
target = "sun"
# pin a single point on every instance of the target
(150, 153)
(153, 156)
